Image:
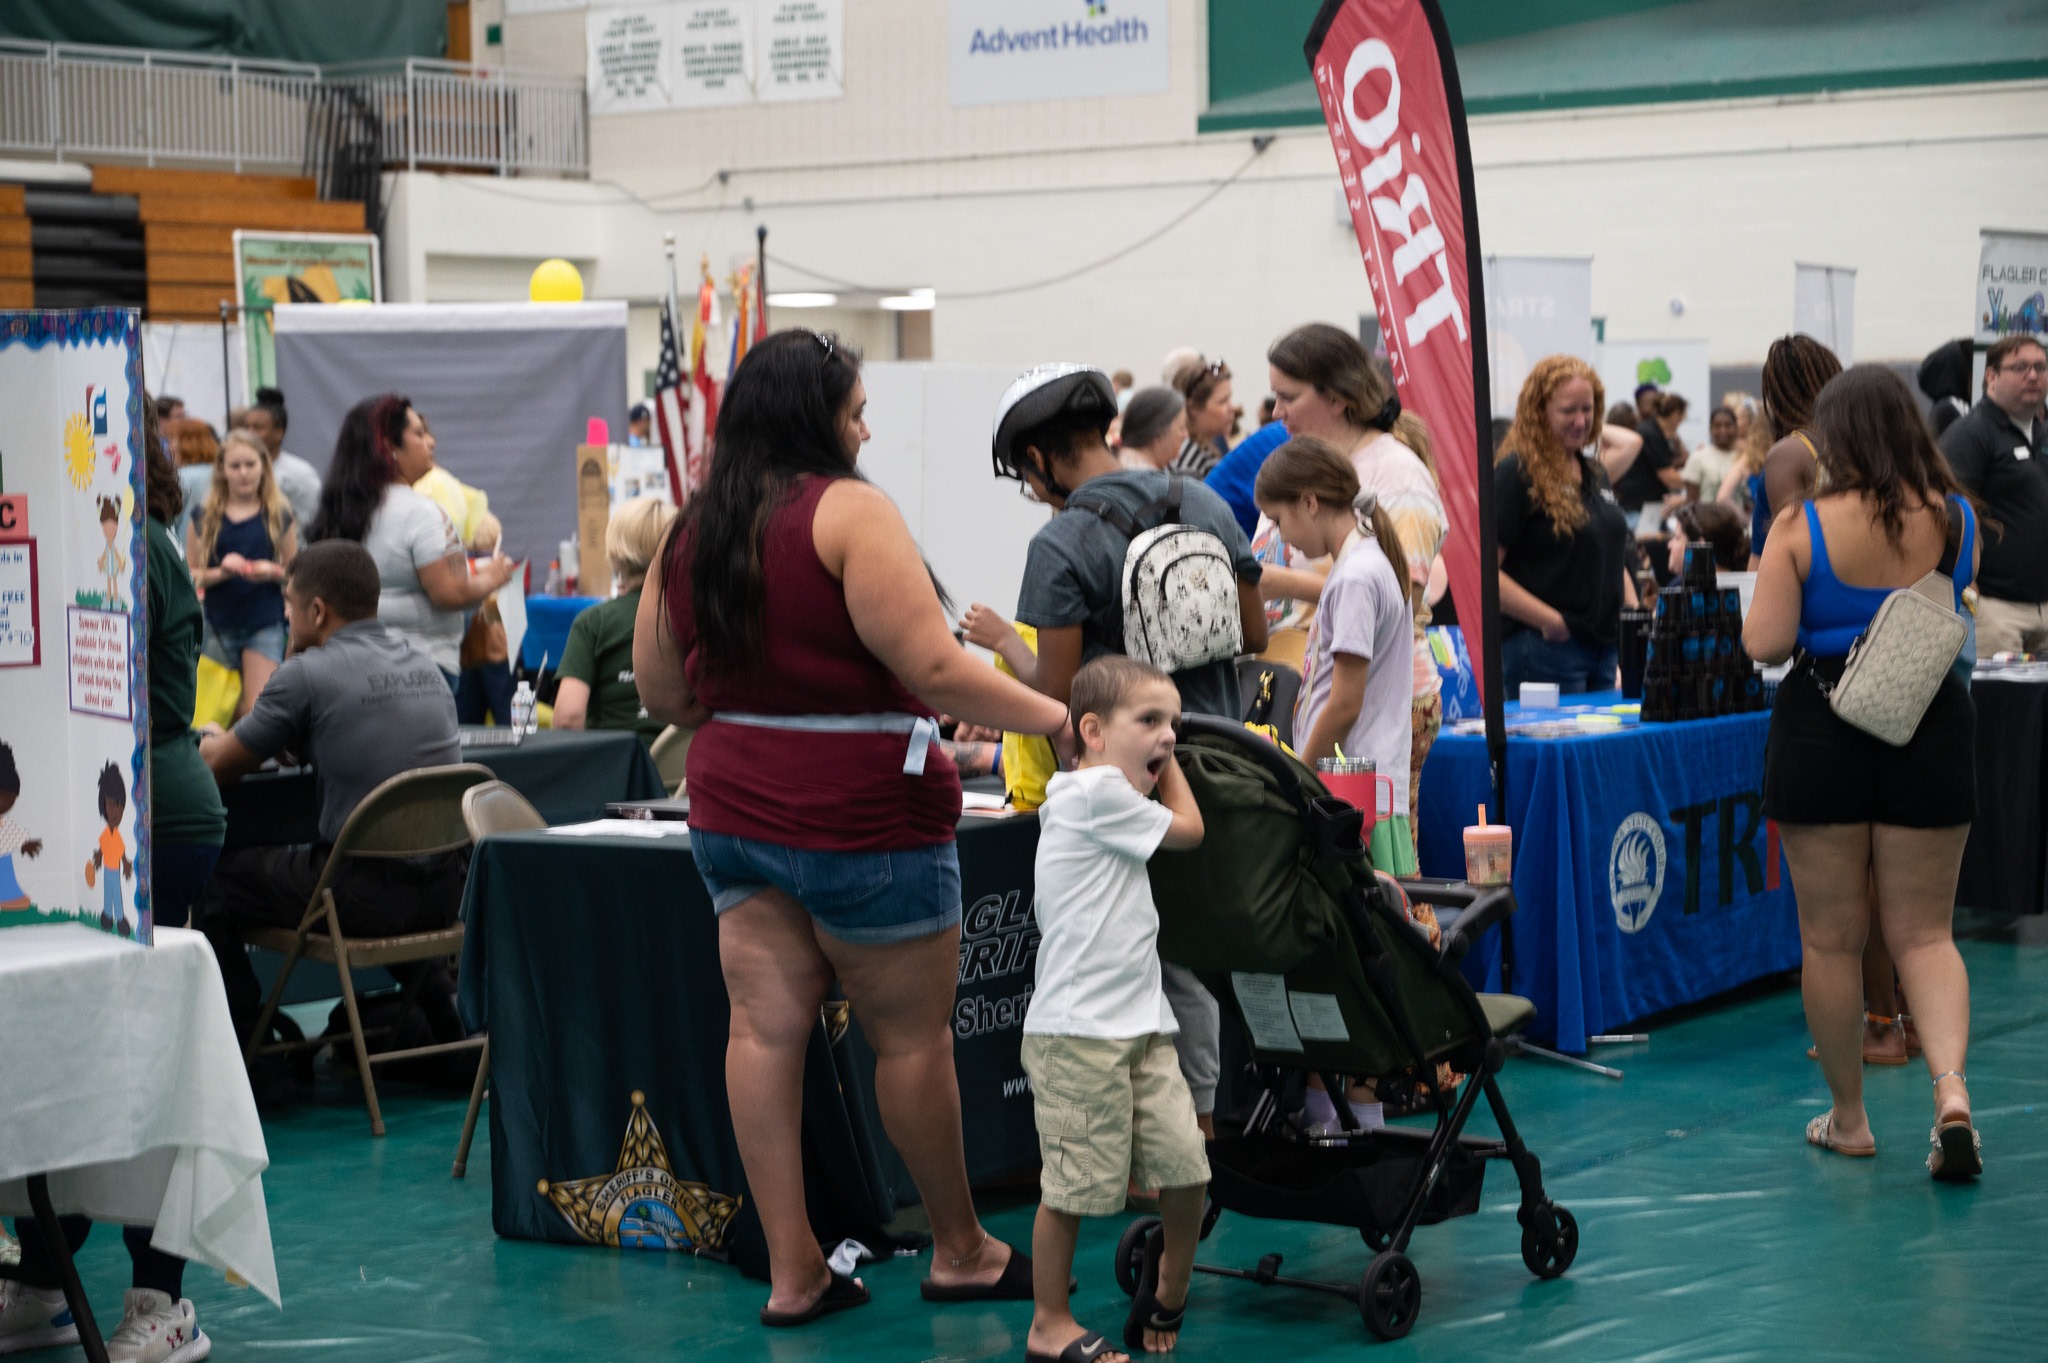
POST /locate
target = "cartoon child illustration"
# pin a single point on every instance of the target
(111, 563)
(110, 859)
(13, 837)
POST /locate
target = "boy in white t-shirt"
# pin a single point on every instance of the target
(1106, 1084)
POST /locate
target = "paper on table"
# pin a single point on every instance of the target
(979, 801)
(511, 599)
(621, 828)
(1318, 1017)
(1263, 1001)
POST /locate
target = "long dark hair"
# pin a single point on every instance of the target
(1873, 441)
(1796, 368)
(163, 496)
(365, 463)
(779, 421)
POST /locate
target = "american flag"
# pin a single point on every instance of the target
(672, 395)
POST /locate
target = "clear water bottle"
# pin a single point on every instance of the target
(522, 708)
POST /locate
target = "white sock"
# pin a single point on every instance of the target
(1318, 1110)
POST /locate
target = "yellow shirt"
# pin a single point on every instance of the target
(464, 504)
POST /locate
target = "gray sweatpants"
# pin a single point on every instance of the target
(1200, 1041)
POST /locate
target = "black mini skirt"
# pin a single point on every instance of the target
(1820, 769)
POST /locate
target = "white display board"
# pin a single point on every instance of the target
(1536, 306)
(74, 701)
(1018, 51)
(2012, 290)
(183, 359)
(1824, 307)
(1679, 367)
(930, 453)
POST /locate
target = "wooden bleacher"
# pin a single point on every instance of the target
(189, 218)
(17, 273)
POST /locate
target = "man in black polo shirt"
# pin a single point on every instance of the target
(1997, 452)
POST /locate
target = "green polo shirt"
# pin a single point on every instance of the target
(600, 655)
(185, 802)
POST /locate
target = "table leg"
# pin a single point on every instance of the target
(67, 1271)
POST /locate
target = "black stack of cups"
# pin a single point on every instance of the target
(1696, 667)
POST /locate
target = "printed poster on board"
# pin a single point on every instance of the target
(2012, 290)
(297, 267)
(74, 695)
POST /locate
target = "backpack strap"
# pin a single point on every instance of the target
(1114, 516)
(1163, 510)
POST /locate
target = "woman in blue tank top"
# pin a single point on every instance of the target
(1859, 816)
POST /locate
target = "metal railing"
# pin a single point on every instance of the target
(68, 99)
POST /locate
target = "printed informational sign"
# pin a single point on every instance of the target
(714, 54)
(630, 65)
(1018, 51)
(2012, 290)
(74, 711)
(297, 267)
(1679, 367)
(1824, 307)
(801, 52)
(1536, 306)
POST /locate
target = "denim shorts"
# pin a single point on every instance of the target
(868, 898)
(227, 646)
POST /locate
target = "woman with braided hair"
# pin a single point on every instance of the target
(1563, 539)
(1796, 368)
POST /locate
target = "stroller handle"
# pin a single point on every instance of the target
(1259, 748)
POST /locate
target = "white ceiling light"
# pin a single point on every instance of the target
(917, 300)
(803, 300)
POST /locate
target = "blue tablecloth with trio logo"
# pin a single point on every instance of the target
(1645, 872)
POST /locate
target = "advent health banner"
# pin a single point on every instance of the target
(1388, 86)
(74, 699)
(1017, 51)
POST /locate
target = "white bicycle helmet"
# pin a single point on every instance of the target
(1044, 394)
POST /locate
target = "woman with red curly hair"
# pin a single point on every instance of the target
(1562, 538)
(383, 449)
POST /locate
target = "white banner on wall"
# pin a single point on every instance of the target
(714, 54)
(1679, 367)
(1016, 51)
(1824, 307)
(630, 62)
(1535, 306)
(516, 7)
(2012, 290)
(801, 53)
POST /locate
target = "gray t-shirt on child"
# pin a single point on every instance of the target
(362, 707)
(1074, 575)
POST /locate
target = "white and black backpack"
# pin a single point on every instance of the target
(1179, 585)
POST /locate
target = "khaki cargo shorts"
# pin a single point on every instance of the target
(1109, 1112)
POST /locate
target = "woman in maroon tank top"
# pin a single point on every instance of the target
(794, 622)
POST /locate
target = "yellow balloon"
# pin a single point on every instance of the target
(555, 281)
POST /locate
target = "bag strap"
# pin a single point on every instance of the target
(1952, 546)
(1162, 510)
(1113, 516)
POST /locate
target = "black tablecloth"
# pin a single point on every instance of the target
(568, 775)
(594, 963)
(2005, 865)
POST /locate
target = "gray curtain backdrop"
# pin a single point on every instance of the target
(507, 409)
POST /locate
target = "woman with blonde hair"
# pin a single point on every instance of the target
(598, 690)
(1325, 385)
(1563, 539)
(238, 545)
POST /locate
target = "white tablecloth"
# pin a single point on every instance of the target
(122, 1080)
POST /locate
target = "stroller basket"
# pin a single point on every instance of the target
(1280, 914)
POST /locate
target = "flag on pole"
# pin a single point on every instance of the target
(699, 461)
(743, 318)
(671, 395)
(1388, 82)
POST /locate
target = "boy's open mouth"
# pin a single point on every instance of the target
(1155, 766)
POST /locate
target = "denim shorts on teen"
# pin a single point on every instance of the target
(867, 898)
(227, 646)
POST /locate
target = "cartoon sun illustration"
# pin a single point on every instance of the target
(78, 450)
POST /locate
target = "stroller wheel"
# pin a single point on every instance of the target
(1130, 1253)
(1550, 1240)
(1390, 1294)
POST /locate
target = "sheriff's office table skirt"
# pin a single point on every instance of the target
(569, 775)
(1645, 873)
(593, 962)
(123, 1083)
(2005, 865)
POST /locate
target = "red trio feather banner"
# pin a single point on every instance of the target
(1389, 89)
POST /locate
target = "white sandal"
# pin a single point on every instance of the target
(1958, 1151)
(1821, 1132)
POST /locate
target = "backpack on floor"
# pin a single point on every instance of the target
(1179, 586)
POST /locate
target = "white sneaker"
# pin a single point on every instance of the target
(30, 1319)
(155, 1329)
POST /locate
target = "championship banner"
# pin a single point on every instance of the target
(1389, 88)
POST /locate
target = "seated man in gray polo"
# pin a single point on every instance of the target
(362, 705)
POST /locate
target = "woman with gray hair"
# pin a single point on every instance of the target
(1155, 426)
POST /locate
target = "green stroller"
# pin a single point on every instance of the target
(1284, 920)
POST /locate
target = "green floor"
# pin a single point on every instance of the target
(1708, 1232)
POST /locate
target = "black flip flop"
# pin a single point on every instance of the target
(1013, 1285)
(840, 1294)
(1086, 1349)
(1146, 1312)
